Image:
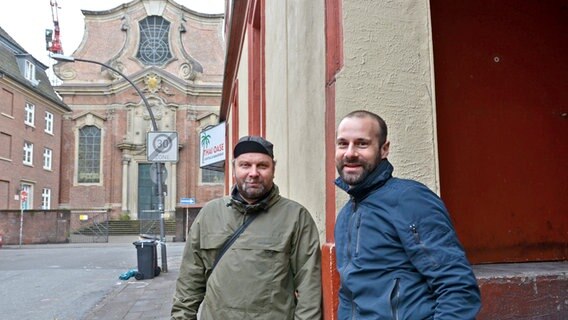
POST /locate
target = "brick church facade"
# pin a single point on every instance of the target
(175, 58)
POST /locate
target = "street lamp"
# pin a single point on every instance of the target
(64, 58)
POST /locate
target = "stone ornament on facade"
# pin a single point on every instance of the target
(110, 114)
(156, 110)
(118, 66)
(65, 72)
(125, 26)
(186, 72)
(89, 119)
(139, 121)
(153, 83)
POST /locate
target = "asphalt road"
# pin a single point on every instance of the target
(65, 281)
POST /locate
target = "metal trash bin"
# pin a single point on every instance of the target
(147, 259)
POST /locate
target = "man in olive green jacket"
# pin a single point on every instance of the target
(272, 270)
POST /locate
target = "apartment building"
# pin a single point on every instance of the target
(31, 115)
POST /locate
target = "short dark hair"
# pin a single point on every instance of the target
(383, 131)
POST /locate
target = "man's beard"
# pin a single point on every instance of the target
(250, 193)
(356, 178)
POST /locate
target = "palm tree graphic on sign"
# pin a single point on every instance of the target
(205, 140)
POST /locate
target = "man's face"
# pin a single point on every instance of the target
(254, 174)
(357, 150)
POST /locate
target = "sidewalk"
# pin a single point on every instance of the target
(140, 299)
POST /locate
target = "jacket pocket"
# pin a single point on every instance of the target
(253, 265)
(423, 251)
(263, 254)
(211, 246)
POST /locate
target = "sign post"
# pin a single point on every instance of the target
(161, 146)
(23, 199)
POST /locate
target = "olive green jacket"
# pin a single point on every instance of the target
(272, 271)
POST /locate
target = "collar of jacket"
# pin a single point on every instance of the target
(238, 203)
(373, 181)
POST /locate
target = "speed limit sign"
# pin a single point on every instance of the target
(162, 146)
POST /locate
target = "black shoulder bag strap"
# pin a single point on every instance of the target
(233, 238)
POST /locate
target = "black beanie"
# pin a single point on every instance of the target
(249, 144)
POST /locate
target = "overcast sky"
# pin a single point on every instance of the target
(26, 20)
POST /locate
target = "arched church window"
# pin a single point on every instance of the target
(154, 46)
(89, 164)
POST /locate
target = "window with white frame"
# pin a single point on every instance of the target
(47, 153)
(28, 189)
(29, 72)
(30, 114)
(46, 198)
(48, 122)
(28, 153)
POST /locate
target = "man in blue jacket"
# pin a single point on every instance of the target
(398, 255)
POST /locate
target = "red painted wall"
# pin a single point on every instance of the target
(502, 101)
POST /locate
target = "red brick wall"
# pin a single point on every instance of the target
(39, 226)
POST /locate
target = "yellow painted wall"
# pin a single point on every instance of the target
(388, 70)
(295, 99)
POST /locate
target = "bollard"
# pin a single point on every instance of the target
(1, 241)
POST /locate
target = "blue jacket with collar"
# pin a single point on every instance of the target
(398, 255)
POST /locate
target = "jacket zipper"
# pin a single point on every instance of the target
(351, 218)
(395, 295)
(415, 233)
(352, 308)
(358, 234)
